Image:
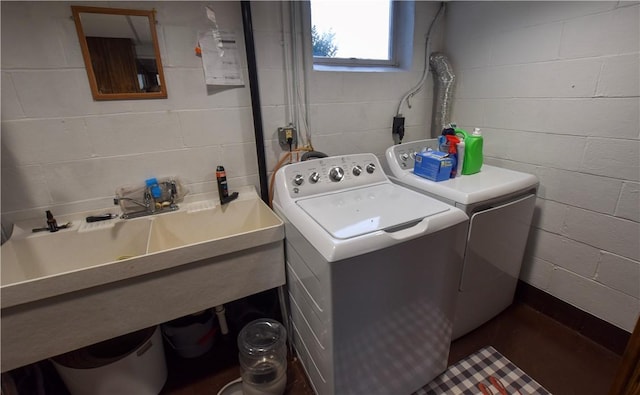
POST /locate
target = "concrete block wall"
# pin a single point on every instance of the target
(62, 150)
(553, 85)
(349, 112)
(555, 88)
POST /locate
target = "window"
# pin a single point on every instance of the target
(353, 33)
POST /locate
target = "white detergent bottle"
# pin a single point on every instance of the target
(460, 148)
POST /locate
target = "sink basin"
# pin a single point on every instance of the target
(69, 289)
(48, 254)
(184, 228)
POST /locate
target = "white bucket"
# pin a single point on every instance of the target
(190, 336)
(129, 364)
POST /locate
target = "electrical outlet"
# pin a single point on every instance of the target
(398, 127)
(286, 133)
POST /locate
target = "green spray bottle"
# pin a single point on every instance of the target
(473, 157)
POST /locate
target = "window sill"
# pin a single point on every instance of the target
(357, 69)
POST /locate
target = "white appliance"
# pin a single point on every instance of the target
(500, 204)
(129, 364)
(372, 274)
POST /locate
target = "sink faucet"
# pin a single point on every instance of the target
(144, 205)
(150, 204)
(52, 224)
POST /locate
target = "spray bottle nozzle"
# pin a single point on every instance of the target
(452, 140)
(449, 131)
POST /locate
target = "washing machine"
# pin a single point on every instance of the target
(372, 275)
(500, 204)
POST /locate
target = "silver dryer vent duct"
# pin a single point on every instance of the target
(443, 79)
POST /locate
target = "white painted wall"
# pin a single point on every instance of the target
(65, 152)
(349, 112)
(554, 86)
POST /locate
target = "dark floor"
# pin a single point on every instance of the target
(560, 359)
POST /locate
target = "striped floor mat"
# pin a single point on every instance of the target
(463, 377)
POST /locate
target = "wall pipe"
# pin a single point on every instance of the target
(443, 82)
(247, 26)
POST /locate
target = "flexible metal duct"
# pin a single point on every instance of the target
(443, 79)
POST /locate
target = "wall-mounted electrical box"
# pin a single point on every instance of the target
(288, 136)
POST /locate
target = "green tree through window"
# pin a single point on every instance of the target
(323, 44)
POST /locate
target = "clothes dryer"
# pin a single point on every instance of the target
(372, 275)
(500, 204)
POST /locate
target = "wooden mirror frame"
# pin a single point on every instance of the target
(97, 95)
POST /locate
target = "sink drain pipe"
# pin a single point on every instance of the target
(247, 25)
(222, 319)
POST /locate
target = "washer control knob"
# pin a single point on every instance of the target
(404, 157)
(371, 168)
(336, 174)
(357, 170)
(314, 177)
(298, 179)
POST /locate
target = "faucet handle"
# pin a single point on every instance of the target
(173, 190)
(52, 224)
(149, 201)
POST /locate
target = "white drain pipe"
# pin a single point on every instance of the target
(222, 319)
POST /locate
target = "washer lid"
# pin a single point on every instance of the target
(364, 210)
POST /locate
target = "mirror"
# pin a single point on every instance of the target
(121, 53)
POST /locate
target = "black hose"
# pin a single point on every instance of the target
(247, 25)
(313, 155)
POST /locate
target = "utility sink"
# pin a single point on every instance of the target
(184, 228)
(48, 254)
(85, 284)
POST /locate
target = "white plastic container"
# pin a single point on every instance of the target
(460, 148)
(190, 336)
(129, 364)
(263, 357)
